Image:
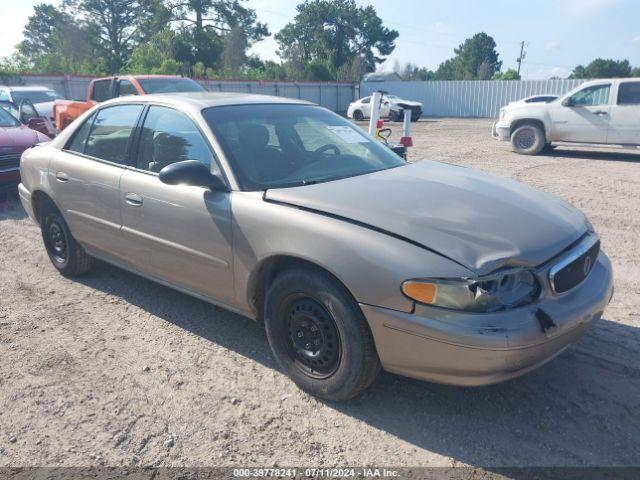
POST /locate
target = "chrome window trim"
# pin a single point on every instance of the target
(582, 248)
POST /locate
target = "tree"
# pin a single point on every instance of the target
(115, 27)
(206, 25)
(335, 32)
(54, 43)
(475, 59)
(603, 68)
(155, 56)
(509, 74)
(234, 52)
(635, 72)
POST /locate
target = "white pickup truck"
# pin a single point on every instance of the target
(599, 112)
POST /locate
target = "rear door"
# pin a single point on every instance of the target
(179, 234)
(85, 176)
(625, 114)
(582, 117)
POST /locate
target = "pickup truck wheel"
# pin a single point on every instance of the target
(357, 115)
(319, 336)
(66, 254)
(528, 139)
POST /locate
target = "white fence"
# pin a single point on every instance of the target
(473, 98)
(334, 96)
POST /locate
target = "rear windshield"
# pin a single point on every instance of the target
(36, 96)
(276, 145)
(166, 85)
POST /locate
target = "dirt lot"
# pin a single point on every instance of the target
(106, 369)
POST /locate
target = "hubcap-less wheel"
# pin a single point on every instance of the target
(57, 242)
(525, 139)
(314, 339)
(357, 115)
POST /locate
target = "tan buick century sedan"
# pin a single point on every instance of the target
(283, 211)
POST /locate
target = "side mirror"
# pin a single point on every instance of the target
(193, 173)
(567, 102)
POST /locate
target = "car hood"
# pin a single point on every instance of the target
(479, 220)
(16, 139)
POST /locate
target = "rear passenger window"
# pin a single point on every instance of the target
(101, 90)
(110, 133)
(169, 136)
(629, 93)
(80, 136)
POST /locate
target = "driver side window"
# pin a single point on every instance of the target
(169, 136)
(591, 96)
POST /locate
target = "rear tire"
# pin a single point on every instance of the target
(319, 335)
(65, 253)
(528, 139)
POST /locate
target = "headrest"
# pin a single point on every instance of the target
(254, 136)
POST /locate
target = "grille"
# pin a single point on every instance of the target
(8, 162)
(565, 277)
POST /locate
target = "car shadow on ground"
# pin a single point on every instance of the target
(580, 409)
(603, 154)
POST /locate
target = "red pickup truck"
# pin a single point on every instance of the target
(101, 89)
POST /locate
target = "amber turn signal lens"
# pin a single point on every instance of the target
(420, 291)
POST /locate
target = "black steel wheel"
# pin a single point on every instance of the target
(65, 253)
(357, 115)
(319, 335)
(56, 241)
(314, 338)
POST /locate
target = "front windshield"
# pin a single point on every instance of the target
(7, 120)
(280, 145)
(36, 96)
(166, 85)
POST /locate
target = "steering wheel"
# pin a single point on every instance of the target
(328, 146)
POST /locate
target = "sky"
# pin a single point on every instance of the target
(558, 34)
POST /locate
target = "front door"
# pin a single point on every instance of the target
(85, 176)
(179, 234)
(582, 117)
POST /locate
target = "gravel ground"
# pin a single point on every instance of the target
(111, 369)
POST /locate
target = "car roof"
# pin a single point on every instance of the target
(31, 88)
(200, 100)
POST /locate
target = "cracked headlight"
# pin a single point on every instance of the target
(500, 291)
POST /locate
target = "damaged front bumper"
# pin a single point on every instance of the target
(471, 349)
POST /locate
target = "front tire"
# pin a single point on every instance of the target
(65, 253)
(358, 116)
(319, 336)
(528, 139)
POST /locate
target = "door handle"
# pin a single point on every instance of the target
(600, 112)
(62, 177)
(133, 199)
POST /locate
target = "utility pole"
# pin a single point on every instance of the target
(521, 57)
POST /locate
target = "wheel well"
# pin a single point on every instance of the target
(40, 200)
(528, 121)
(269, 269)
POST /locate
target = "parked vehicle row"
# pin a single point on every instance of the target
(355, 260)
(42, 98)
(599, 112)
